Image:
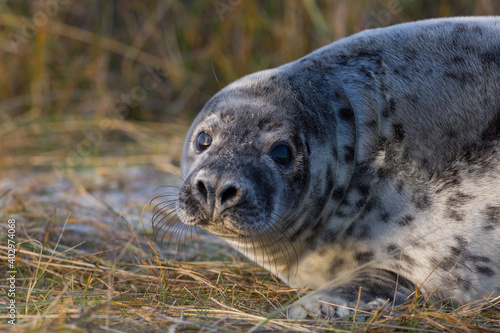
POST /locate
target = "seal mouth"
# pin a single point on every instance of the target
(228, 231)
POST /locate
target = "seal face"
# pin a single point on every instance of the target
(245, 170)
(373, 162)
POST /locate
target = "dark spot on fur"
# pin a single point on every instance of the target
(399, 133)
(365, 232)
(458, 199)
(340, 212)
(464, 284)
(364, 257)
(370, 204)
(450, 181)
(312, 241)
(336, 265)
(330, 236)
(346, 114)
(421, 200)
(452, 134)
(459, 28)
(372, 124)
(492, 217)
(322, 251)
(349, 154)
(400, 186)
(477, 29)
(412, 98)
(462, 243)
(455, 215)
(384, 217)
(425, 163)
(491, 57)
(492, 132)
(384, 173)
(463, 78)
(362, 168)
(363, 189)
(390, 108)
(447, 264)
(458, 60)
(408, 259)
(335, 153)
(338, 193)
(480, 259)
(265, 122)
(360, 203)
(455, 251)
(485, 270)
(350, 230)
(405, 220)
(392, 248)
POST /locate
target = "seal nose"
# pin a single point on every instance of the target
(218, 197)
(202, 189)
(229, 195)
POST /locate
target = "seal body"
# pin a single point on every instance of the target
(373, 162)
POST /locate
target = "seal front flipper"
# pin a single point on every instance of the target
(378, 288)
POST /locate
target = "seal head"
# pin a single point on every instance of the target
(247, 164)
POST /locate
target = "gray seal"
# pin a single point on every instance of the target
(371, 163)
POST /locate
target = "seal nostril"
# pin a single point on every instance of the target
(200, 185)
(228, 194)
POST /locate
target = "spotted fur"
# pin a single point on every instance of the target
(395, 175)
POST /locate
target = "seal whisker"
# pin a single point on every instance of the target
(170, 227)
(179, 231)
(163, 211)
(155, 206)
(277, 219)
(167, 221)
(285, 233)
(163, 208)
(177, 188)
(266, 249)
(281, 244)
(284, 227)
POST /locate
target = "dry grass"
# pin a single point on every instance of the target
(82, 154)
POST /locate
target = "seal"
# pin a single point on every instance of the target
(370, 166)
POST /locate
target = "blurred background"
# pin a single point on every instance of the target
(84, 79)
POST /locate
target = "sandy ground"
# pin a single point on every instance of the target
(97, 206)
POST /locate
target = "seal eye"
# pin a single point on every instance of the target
(203, 141)
(281, 154)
